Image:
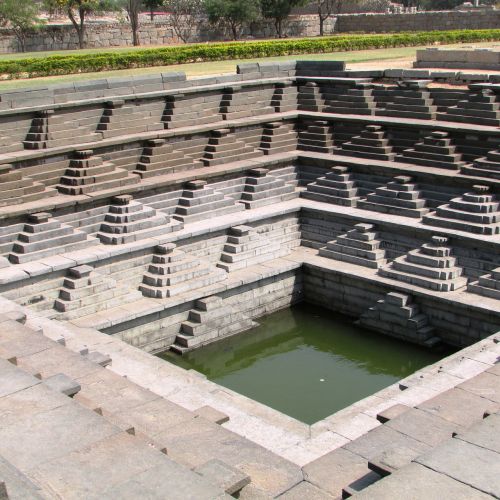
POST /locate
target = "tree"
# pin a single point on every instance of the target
(133, 8)
(326, 9)
(279, 10)
(151, 5)
(183, 15)
(20, 17)
(232, 14)
(78, 11)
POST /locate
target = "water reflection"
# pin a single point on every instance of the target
(307, 362)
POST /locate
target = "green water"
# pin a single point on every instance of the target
(306, 361)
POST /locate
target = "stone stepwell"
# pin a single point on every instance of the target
(171, 213)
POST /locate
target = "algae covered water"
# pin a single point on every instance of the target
(306, 361)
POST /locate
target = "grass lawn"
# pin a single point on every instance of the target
(210, 68)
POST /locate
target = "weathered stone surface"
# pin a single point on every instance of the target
(467, 463)
(416, 481)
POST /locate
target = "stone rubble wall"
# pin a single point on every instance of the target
(63, 37)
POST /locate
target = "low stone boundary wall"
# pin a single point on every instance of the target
(458, 58)
(420, 21)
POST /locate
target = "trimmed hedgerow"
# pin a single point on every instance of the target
(86, 63)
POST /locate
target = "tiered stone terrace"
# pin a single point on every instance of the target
(180, 212)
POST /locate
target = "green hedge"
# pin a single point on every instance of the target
(85, 63)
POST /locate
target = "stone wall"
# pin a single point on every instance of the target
(420, 21)
(64, 37)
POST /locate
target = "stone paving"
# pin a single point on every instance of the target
(182, 211)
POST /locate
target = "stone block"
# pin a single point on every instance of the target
(212, 414)
(228, 478)
(63, 383)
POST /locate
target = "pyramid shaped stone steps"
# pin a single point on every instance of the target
(43, 236)
(310, 98)
(164, 202)
(474, 212)
(262, 189)
(241, 102)
(17, 188)
(88, 174)
(410, 99)
(44, 133)
(223, 147)
(317, 137)
(160, 158)
(208, 321)
(372, 144)
(395, 315)
(200, 201)
(488, 166)
(86, 292)
(401, 196)
(128, 221)
(193, 147)
(187, 110)
(360, 246)
(173, 272)
(251, 136)
(482, 107)
(125, 158)
(121, 118)
(487, 285)
(246, 247)
(436, 150)
(285, 97)
(354, 99)
(88, 221)
(278, 137)
(431, 266)
(289, 174)
(231, 188)
(338, 186)
(48, 173)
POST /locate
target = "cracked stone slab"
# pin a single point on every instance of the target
(415, 482)
(470, 464)
(485, 433)
(306, 490)
(335, 470)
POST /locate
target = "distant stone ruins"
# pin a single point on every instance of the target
(151, 213)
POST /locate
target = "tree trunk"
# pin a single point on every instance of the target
(135, 37)
(79, 26)
(277, 25)
(152, 14)
(321, 26)
(133, 14)
(234, 30)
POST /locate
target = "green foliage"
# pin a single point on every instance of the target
(86, 63)
(232, 14)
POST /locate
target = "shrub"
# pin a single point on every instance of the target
(85, 63)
